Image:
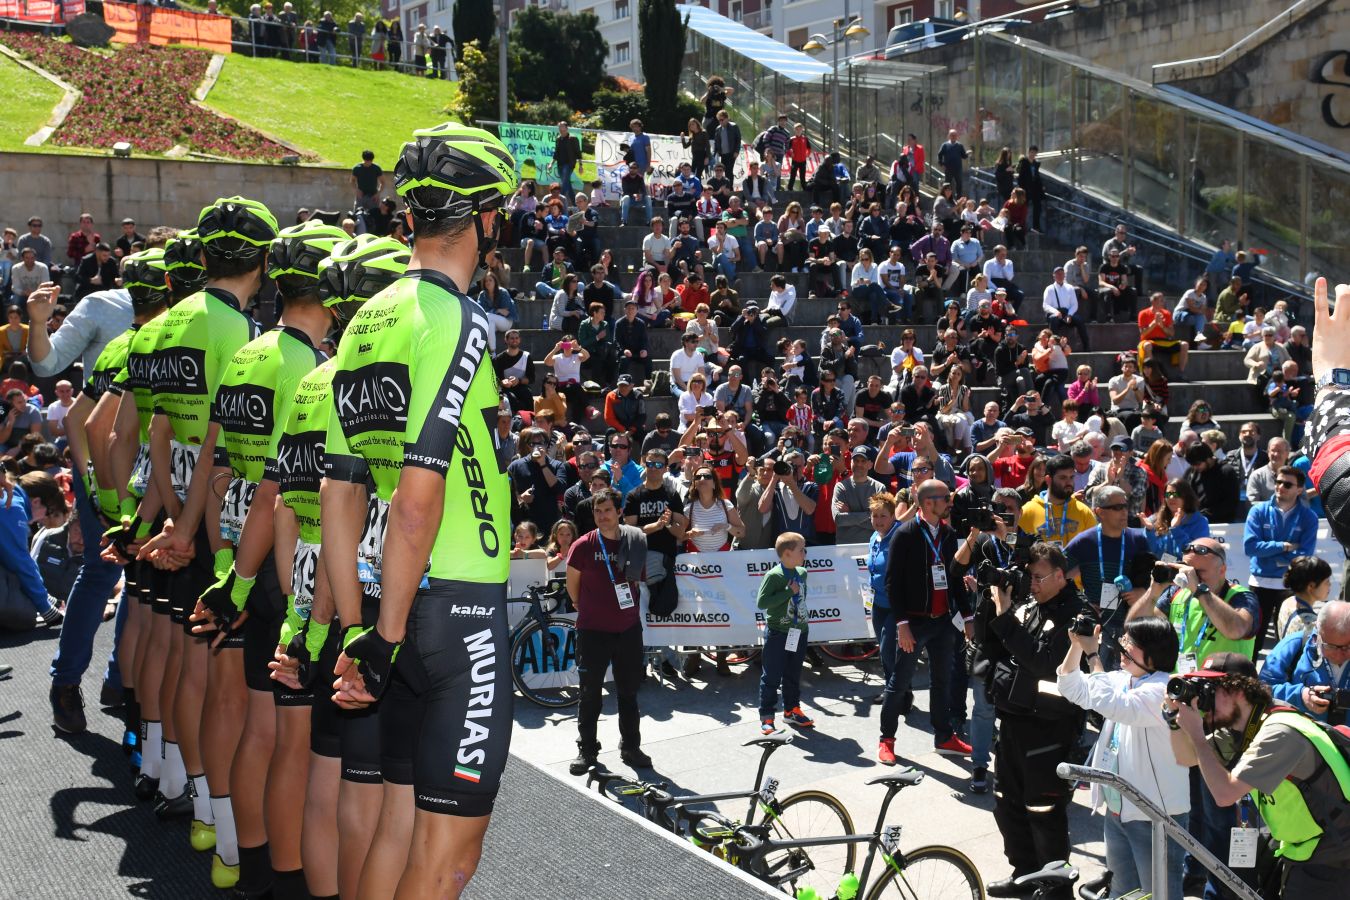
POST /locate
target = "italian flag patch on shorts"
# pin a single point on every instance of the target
(467, 774)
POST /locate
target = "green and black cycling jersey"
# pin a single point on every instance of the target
(251, 406)
(109, 364)
(199, 337)
(297, 467)
(413, 388)
(135, 377)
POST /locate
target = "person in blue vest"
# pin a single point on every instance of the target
(1277, 530)
(1308, 669)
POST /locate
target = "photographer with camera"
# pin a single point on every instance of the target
(994, 541)
(1307, 669)
(1038, 728)
(925, 608)
(1134, 743)
(1104, 559)
(1056, 515)
(1293, 769)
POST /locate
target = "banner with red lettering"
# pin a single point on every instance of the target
(44, 11)
(138, 23)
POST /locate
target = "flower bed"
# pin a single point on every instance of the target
(142, 95)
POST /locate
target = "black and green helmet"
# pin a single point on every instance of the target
(183, 259)
(143, 277)
(471, 164)
(298, 250)
(236, 227)
(359, 269)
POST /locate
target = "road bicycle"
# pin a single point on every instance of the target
(822, 866)
(544, 648)
(1058, 875)
(802, 814)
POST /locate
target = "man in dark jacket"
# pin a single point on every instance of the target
(1025, 642)
(727, 142)
(923, 578)
(566, 155)
(750, 341)
(97, 271)
(630, 333)
(952, 156)
(1215, 485)
(1029, 180)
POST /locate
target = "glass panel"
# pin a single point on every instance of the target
(1211, 181)
(1272, 206)
(1329, 228)
(1050, 113)
(1001, 85)
(1154, 181)
(1101, 135)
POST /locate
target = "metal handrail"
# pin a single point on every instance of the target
(1163, 828)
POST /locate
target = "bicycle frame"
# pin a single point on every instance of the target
(769, 845)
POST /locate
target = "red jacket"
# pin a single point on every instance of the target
(799, 148)
(79, 244)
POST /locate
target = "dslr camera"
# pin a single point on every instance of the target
(1085, 623)
(1339, 698)
(1201, 690)
(782, 468)
(1012, 579)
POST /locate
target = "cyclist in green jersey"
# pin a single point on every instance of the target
(88, 435)
(160, 653)
(329, 785)
(196, 342)
(414, 409)
(242, 611)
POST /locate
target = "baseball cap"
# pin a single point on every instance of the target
(625, 379)
(1058, 270)
(1218, 665)
(1024, 431)
(128, 221)
(967, 227)
(1003, 291)
(630, 302)
(1122, 443)
(751, 307)
(861, 450)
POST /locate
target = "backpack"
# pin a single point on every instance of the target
(664, 597)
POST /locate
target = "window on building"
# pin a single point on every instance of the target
(621, 52)
(797, 37)
(440, 5)
(945, 9)
(901, 14)
(734, 10)
(620, 9)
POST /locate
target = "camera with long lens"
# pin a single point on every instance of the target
(1339, 698)
(1201, 690)
(1012, 579)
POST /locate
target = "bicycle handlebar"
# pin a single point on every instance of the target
(750, 845)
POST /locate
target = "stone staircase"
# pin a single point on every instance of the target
(1215, 375)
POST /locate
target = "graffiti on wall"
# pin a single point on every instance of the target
(1333, 70)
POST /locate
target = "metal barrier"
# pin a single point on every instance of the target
(1163, 828)
(260, 37)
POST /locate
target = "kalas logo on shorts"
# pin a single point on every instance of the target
(372, 398)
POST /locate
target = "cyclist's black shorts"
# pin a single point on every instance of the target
(191, 581)
(266, 609)
(156, 585)
(362, 761)
(450, 698)
(325, 718)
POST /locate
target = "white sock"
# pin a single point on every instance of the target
(173, 777)
(201, 800)
(152, 751)
(227, 841)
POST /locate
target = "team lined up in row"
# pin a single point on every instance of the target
(217, 455)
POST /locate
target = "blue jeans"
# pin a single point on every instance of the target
(544, 291)
(565, 179)
(883, 626)
(327, 55)
(626, 204)
(1195, 320)
(981, 728)
(780, 668)
(901, 298)
(874, 297)
(748, 255)
(1129, 856)
(723, 264)
(939, 636)
(84, 608)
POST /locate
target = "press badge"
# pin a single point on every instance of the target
(625, 595)
(794, 638)
(1110, 596)
(1186, 664)
(1242, 847)
(939, 578)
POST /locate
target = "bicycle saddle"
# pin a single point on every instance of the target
(907, 778)
(769, 740)
(1056, 874)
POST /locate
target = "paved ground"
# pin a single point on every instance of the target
(71, 829)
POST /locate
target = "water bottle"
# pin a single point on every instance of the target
(848, 887)
(543, 326)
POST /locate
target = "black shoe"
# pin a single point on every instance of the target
(170, 808)
(68, 708)
(145, 787)
(636, 759)
(979, 781)
(667, 670)
(110, 696)
(1007, 888)
(582, 764)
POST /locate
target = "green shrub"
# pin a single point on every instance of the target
(615, 109)
(544, 112)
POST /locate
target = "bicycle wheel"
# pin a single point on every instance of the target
(810, 814)
(544, 662)
(850, 651)
(931, 873)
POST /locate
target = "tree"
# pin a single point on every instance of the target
(476, 98)
(474, 20)
(559, 53)
(661, 40)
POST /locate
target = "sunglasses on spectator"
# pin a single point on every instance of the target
(705, 477)
(922, 469)
(656, 464)
(1286, 484)
(587, 466)
(1202, 550)
(619, 446)
(1171, 494)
